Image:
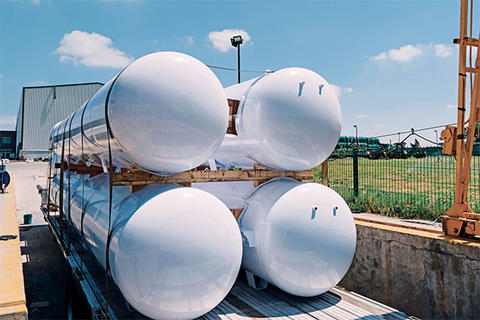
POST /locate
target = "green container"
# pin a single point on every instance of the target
(27, 218)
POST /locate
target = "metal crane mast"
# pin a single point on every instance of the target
(459, 140)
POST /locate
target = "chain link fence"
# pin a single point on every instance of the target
(418, 184)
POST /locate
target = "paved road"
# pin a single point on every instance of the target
(44, 267)
(26, 176)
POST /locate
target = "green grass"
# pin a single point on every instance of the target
(409, 188)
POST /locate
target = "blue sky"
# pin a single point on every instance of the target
(392, 61)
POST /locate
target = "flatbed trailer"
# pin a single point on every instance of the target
(243, 302)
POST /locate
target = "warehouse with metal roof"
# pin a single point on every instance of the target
(41, 108)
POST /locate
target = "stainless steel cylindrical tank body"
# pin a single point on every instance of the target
(298, 236)
(303, 236)
(167, 113)
(175, 252)
(286, 120)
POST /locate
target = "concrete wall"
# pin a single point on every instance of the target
(420, 273)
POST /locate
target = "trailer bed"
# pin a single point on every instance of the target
(243, 302)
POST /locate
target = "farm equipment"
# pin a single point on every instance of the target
(459, 140)
(417, 151)
(378, 154)
(398, 151)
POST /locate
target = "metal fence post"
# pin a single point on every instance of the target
(355, 172)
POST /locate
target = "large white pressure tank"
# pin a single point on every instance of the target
(287, 120)
(167, 113)
(298, 236)
(175, 252)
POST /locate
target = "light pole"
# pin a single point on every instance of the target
(356, 134)
(236, 41)
(436, 136)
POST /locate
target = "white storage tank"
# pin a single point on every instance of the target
(298, 236)
(167, 112)
(175, 252)
(287, 120)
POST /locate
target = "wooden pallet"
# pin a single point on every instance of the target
(135, 177)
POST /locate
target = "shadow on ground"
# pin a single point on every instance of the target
(45, 273)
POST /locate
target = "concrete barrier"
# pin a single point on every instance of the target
(421, 273)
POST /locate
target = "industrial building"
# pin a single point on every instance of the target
(40, 108)
(7, 144)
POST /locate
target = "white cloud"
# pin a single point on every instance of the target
(451, 106)
(38, 83)
(221, 39)
(405, 53)
(185, 41)
(7, 122)
(361, 116)
(92, 50)
(409, 52)
(380, 125)
(443, 50)
(402, 54)
(381, 56)
(33, 2)
(338, 91)
(189, 41)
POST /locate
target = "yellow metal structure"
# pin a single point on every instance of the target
(460, 221)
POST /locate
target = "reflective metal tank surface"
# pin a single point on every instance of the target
(167, 112)
(175, 252)
(287, 120)
(299, 236)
